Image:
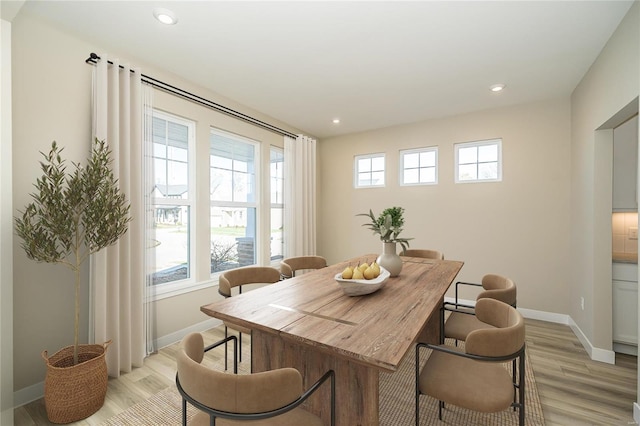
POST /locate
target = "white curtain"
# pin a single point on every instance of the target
(117, 272)
(300, 196)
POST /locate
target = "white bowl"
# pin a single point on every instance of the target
(361, 287)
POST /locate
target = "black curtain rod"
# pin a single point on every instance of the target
(93, 59)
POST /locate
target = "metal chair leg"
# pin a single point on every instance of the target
(225, 348)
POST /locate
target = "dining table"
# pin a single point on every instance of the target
(307, 322)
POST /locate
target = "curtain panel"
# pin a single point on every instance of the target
(117, 272)
(300, 196)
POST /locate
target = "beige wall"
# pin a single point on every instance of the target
(518, 227)
(51, 100)
(610, 85)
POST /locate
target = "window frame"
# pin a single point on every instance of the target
(172, 288)
(356, 171)
(401, 168)
(478, 144)
(281, 205)
(256, 204)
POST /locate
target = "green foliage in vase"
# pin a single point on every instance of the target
(388, 225)
(73, 215)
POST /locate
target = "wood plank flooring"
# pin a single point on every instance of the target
(574, 390)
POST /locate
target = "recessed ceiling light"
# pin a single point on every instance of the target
(165, 16)
(336, 121)
(497, 87)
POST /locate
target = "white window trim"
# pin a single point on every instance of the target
(433, 149)
(273, 205)
(458, 146)
(258, 188)
(356, 171)
(174, 288)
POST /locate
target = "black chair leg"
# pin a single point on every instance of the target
(240, 346)
(225, 348)
(184, 412)
(440, 406)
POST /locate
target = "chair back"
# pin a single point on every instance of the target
(246, 275)
(424, 253)
(289, 266)
(500, 288)
(233, 393)
(505, 339)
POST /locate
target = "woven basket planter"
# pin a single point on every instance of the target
(74, 392)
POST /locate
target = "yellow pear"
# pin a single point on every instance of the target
(357, 274)
(376, 269)
(347, 273)
(369, 273)
(363, 266)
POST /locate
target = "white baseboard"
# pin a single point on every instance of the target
(170, 339)
(28, 394)
(596, 354)
(36, 391)
(636, 412)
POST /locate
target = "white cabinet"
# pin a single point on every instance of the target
(625, 303)
(625, 160)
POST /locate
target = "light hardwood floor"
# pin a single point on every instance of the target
(574, 390)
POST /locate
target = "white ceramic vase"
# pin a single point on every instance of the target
(389, 260)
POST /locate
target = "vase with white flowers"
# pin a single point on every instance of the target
(388, 225)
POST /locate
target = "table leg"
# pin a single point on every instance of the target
(357, 391)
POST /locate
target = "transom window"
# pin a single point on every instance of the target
(369, 170)
(419, 166)
(478, 161)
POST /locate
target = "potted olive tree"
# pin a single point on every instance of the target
(71, 217)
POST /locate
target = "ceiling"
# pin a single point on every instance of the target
(370, 64)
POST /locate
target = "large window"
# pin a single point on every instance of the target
(419, 166)
(233, 187)
(276, 173)
(369, 170)
(479, 161)
(172, 146)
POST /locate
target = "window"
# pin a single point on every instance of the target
(233, 162)
(419, 166)
(276, 164)
(479, 161)
(172, 197)
(369, 170)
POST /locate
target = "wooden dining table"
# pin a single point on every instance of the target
(307, 322)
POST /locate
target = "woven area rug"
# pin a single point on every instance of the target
(396, 404)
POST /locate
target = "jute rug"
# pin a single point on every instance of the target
(396, 404)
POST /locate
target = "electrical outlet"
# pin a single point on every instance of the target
(582, 303)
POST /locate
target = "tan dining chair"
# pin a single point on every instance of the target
(461, 320)
(290, 265)
(424, 253)
(236, 278)
(270, 398)
(476, 378)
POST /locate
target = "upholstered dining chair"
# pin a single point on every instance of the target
(270, 398)
(476, 378)
(237, 278)
(461, 320)
(290, 265)
(424, 253)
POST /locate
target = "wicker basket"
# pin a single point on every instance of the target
(74, 392)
